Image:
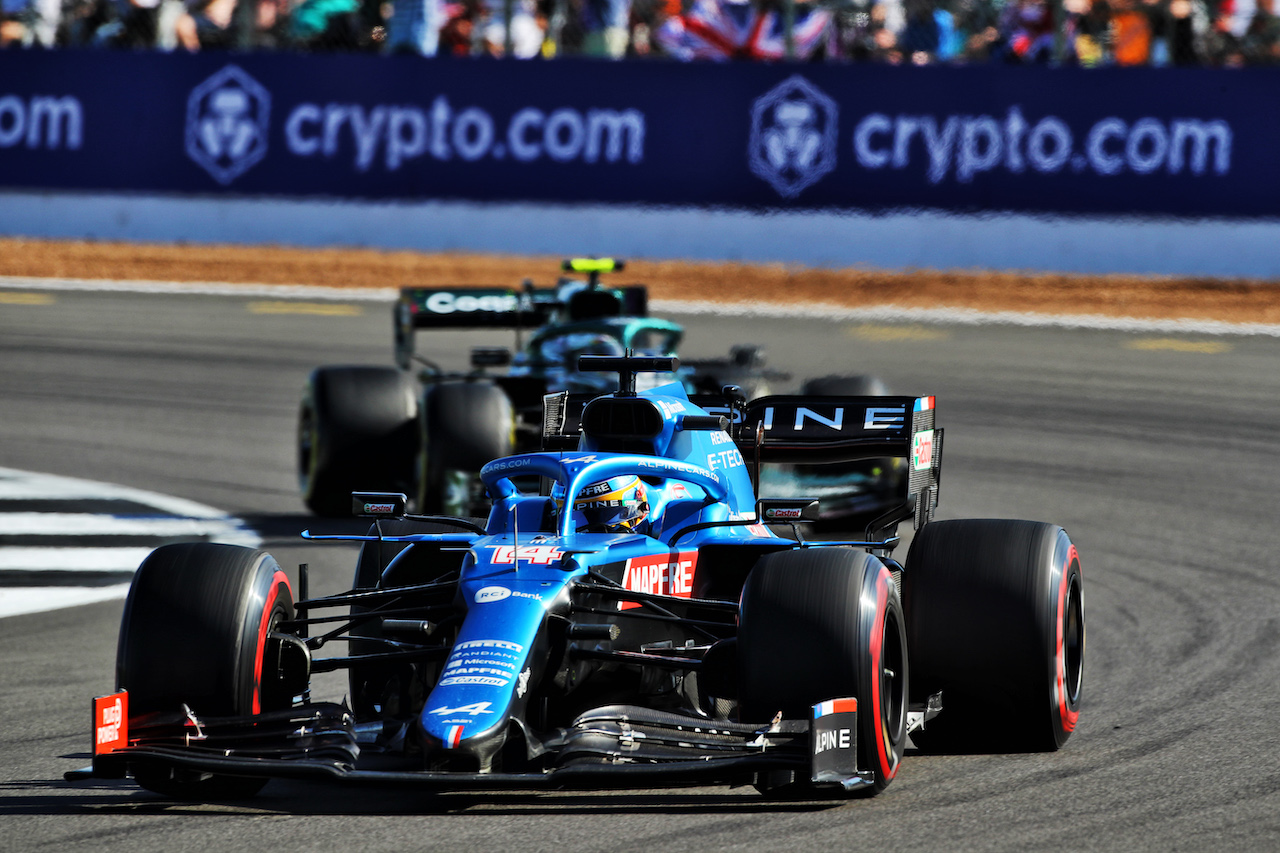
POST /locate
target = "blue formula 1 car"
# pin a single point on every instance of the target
(629, 615)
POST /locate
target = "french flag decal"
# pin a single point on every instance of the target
(835, 706)
(455, 736)
(924, 404)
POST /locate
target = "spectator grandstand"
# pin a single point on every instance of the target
(1089, 33)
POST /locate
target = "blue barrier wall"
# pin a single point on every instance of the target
(1166, 142)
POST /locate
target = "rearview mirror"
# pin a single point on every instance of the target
(781, 510)
(379, 504)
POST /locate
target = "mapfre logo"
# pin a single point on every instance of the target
(227, 120)
(793, 136)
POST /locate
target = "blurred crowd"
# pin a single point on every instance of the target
(920, 32)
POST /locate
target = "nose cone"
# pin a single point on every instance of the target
(470, 705)
(461, 743)
(485, 680)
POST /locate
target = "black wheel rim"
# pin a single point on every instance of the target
(1073, 641)
(893, 680)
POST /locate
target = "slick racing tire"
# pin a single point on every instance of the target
(748, 370)
(995, 620)
(887, 473)
(368, 681)
(844, 386)
(357, 431)
(194, 633)
(465, 425)
(827, 623)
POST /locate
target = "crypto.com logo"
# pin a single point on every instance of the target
(793, 136)
(227, 119)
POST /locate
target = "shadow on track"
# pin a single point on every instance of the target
(112, 796)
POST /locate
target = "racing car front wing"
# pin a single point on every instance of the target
(616, 746)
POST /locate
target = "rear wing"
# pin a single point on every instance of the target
(473, 308)
(521, 308)
(808, 430)
(814, 430)
(817, 430)
(467, 308)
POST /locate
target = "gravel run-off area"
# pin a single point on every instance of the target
(1225, 300)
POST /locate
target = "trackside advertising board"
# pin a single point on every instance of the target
(1179, 142)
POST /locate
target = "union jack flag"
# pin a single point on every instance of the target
(720, 30)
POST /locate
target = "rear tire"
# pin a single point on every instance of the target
(194, 632)
(465, 425)
(824, 624)
(886, 474)
(844, 386)
(357, 430)
(995, 620)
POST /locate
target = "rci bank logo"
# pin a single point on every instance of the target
(793, 136)
(227, 118)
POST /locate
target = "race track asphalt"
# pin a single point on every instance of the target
(1157, 453)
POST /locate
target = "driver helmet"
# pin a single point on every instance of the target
(616, 505)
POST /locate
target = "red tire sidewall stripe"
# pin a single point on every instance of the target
(1067, 716)
(278, 580)
(888, 759)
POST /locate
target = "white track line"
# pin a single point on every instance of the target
(968, 317)
(813, 311)
(213, 288)
(91, 524)
(29, 485)
(20, 600)
(70, 559)
(142, 514)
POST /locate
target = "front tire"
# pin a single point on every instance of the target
(995, 620)
(194, 633)
(822, 624)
